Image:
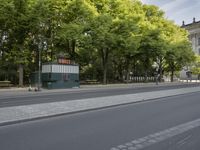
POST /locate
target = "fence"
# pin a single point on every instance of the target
(142, 79)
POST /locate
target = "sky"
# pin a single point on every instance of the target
(178, 10)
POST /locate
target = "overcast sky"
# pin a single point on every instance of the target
(178, 10)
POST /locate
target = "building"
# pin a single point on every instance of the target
(57, 75)
(194, 34)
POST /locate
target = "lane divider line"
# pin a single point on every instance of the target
(151, 139)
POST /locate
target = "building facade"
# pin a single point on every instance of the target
(194, 34)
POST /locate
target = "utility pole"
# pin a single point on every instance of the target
(39, 69)
(40, 46)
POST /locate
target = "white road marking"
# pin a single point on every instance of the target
(183, 141)
(151, 139)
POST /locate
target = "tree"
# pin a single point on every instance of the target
(108, 38)
(73, 30)
(196, 66)
(14, 32)
(179, 53)
(153, 44)
(114, 29)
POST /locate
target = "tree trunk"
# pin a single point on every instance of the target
(127, 69)
(21, 75)
(74, 50)
(146, 67)
(120, 73)
(145, 76)
(105, 75)
(160, 69)
(127, 77)
(172, 76)
(104, 53)
(160, 73)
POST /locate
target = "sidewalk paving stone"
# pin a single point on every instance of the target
(15, 114)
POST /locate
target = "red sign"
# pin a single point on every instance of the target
(64, 61)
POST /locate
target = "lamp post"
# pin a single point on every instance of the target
(40, 47)
(39, 65)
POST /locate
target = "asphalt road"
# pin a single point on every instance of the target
(186, 141)
(107, 128)
(13, 99)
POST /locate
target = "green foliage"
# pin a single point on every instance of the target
(196, 66)
(108, 38)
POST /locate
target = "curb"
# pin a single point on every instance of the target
(100, 86)
(17, 114)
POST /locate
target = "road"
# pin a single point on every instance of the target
(186, 141)
(111, 128)
(16, 99)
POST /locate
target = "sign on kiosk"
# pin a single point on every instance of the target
(64, 61)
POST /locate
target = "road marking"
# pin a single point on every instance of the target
(151, 139)
(184, 141)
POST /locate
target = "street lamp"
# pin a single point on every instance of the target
(40, 47)
(39, 65)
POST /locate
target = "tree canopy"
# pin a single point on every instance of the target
(109, 39)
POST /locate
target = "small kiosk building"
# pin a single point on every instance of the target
(60, 75)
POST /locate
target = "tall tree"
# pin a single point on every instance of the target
(179, 52)
(19, 32)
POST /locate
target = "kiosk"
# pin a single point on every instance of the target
(57, 76)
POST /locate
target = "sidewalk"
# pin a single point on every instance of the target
(16, 114)
(135, 84)
(86, 87)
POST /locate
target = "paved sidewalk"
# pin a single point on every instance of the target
(9, 115)
(24, 90)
